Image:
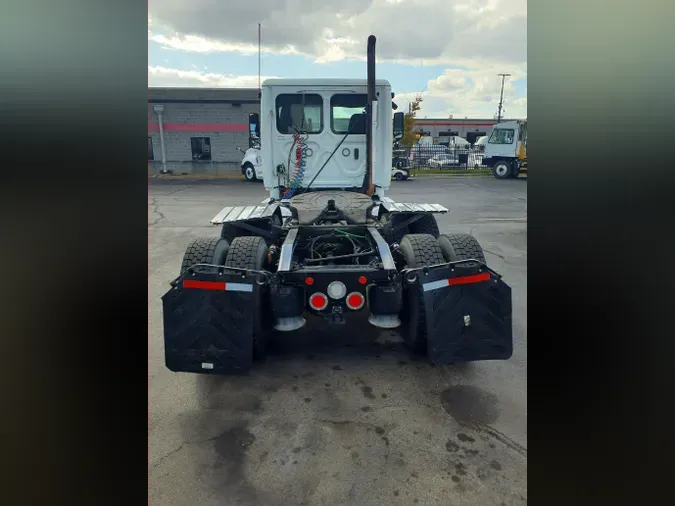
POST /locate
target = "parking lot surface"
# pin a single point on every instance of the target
(341, 415)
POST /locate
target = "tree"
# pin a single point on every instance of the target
(409, 136)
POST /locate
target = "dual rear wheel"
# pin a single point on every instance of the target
(419, 250)
(244, 252)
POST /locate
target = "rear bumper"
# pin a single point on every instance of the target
(212, 315)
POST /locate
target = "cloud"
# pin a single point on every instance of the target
(481, 37)
(195, 44)
(170, 77)
(414, 31)
(462, 93)
(472, 91)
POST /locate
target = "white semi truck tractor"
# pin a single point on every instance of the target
(329, 242)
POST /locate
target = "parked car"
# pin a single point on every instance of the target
(444, 160)
(399, 174)
(481, 142)
(459, 142)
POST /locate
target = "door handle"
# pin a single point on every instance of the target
(356, 153)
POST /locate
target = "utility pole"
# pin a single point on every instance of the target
(258, 57)
(501, 99)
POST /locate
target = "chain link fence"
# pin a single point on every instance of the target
(437, 157)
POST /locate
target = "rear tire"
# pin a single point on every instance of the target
(250, 252)
(249, 172)
(399, 176)
(392, 219)
(502, 170)
(460, 247)
(425, 225)
(418, 250)
(205, 250)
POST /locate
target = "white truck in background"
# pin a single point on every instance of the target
(251, 164)
(506, 149)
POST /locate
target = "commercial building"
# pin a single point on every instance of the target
(469, 129)
(197, 130)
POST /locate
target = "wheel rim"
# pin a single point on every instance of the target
(249, 173)
(501, 169)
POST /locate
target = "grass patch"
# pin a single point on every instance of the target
(469, 172)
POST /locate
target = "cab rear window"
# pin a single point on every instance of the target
(301, 112)
(347, 109)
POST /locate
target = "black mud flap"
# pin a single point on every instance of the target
(210, 320)
(468, 314)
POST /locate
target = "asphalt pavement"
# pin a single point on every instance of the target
(341, 416)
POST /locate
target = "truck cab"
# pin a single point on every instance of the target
(314, 132)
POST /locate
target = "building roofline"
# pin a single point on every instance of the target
(187, 88)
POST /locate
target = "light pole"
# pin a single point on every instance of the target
(501, 98)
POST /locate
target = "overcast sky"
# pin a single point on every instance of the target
(449, 50)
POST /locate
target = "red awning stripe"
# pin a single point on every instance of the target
(199, 127)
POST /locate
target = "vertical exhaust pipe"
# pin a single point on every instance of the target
(367, 186)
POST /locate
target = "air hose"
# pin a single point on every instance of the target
(300, 165)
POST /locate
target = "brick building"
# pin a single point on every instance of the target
(201, 128)
(469, 129)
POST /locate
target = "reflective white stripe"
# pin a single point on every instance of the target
(434, 285)
(238, 287)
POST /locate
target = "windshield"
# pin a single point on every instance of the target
(502, 136)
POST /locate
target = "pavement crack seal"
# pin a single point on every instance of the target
(156, 210)
(175, 191)
(502, 438)
(495, 254)
(179, 448)
(346, 422)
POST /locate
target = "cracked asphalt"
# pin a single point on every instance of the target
(341, 416)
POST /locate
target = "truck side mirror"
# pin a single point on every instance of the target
(253, 130)
(399, 125)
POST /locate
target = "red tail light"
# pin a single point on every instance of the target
(318, 301)
(355, 300)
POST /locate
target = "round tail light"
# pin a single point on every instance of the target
(318, 301)
(355, 300)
